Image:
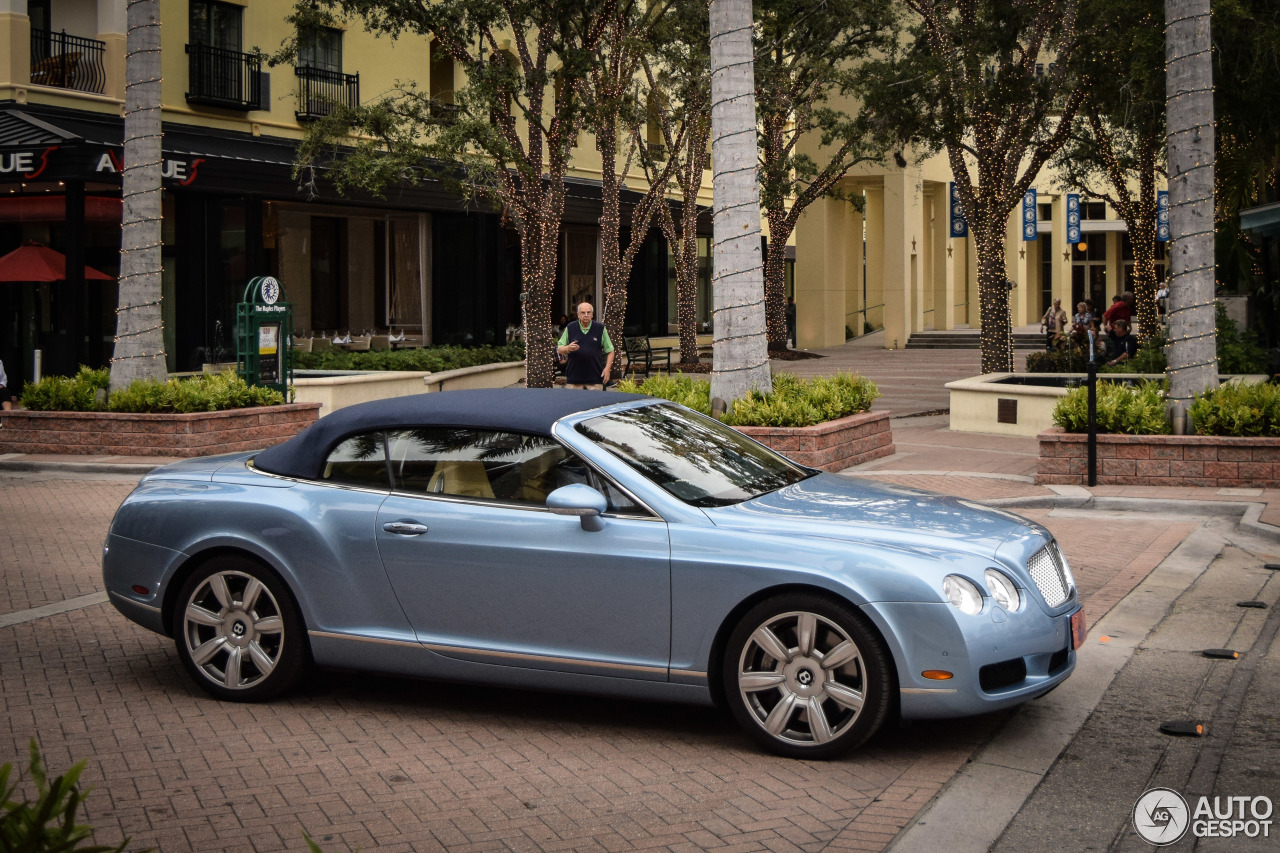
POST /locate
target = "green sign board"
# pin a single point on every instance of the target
(264, 335)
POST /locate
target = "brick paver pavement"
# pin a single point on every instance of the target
(399, 765)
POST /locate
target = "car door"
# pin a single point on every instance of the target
(486, 573)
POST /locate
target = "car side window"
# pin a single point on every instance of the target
(361, 461)
(490, 465)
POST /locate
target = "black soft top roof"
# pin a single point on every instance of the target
(525, 410)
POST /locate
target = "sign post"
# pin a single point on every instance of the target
(264, 336)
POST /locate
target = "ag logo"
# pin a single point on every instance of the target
(1161, 816)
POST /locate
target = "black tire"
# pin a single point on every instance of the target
(802, 659)
(239, 632)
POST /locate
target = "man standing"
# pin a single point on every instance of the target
(587, 346)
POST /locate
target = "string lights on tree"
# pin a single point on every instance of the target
(977, 86)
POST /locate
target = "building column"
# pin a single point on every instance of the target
(821, 274)
(113, 27)
(874, 262)
(1061, 255)
(1016, 266)
(903, 309)
(942, 273)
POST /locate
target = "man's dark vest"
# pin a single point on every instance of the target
(585, 365)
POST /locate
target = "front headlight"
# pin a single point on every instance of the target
(1003, 590)
(963, 594)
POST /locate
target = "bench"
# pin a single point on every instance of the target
(639, 351)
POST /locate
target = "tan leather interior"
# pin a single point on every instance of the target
(467, 479)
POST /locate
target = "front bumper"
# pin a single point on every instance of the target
(998, 659)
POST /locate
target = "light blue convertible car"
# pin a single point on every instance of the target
(593, 542)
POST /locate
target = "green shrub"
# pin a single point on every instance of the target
(434, 359)
(84, 392)
(1126, 409)
(208, 393)
(47, 825)
(794, 402)
(1237, 353)
(87, 392)
(1238, 408)
(1057, 361)
(682, 388)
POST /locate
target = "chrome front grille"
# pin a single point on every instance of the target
(1048, 572)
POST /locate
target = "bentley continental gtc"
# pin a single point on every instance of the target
(595, 542)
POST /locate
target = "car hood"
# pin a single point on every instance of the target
(857, 509)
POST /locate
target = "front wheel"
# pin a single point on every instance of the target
(238, 631)
(807, 677)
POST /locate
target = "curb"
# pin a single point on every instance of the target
(138, 468)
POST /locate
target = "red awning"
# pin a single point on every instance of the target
(34, 262)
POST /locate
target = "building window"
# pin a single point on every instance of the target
(216, 24)
(321, 48)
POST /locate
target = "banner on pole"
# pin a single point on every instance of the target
(1073, 218)
(959, 225)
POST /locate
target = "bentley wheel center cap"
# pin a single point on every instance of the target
(240, 629)
(805, 677)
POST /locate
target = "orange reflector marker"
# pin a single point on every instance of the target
(937, 674)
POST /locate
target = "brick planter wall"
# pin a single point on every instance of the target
(831, 446)
(119, 434)
(1159, 460)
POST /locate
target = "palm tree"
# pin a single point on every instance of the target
(139, 346)
(1193, 365)
(740, 361)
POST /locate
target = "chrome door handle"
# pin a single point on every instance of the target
(405, 528)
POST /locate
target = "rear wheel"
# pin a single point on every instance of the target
(239, 632)
(807, 677)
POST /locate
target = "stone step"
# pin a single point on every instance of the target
(968, 339)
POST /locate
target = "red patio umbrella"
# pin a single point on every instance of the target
(36, 262)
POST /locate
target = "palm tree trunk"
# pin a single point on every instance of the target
(1193, 366)
(139, 346)
(740, 361)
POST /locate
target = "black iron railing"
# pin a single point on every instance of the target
(68, 62)
(320, 90)
(443, 112)
(224, 78)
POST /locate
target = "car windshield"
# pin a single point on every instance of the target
(694, 458)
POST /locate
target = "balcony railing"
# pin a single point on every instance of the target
(443, 112)
(320, 90)
(68, 62)
(224, 78)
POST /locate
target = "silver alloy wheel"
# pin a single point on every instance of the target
(802, 678)
(233, 630)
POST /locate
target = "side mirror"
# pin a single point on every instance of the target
(582, 501)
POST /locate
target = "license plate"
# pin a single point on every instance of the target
(1077, 629)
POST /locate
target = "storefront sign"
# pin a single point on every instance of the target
(26, 165)
(182, 171)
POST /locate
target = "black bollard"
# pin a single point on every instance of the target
(1092, 372)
